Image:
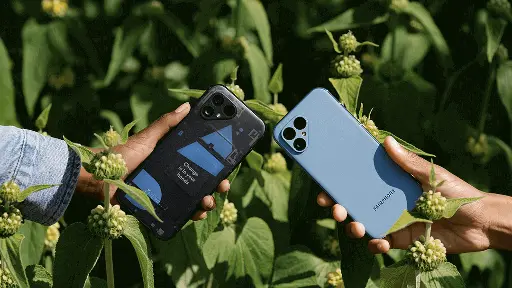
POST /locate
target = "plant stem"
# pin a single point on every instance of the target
(238, 22)
(210, 281)
(106, 195)
(428, 229)
(275, 99)
(393, 44)
(487, 97)
(109, 263)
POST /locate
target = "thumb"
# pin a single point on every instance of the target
(410, 162)
(162, 125)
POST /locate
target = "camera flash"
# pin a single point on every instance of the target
(303, 133)
(218, 115)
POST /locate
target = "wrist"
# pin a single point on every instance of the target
(89, 186)
(499, 218)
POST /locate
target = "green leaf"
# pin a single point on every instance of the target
(301, 186)
(134, 232)
(10, 254)
(136, 194)
(276, 83)
(126, 130)
(260, 71)
(255, 160)
(255, 10)
(264, 111)
(335, 45)
(275, 193)
(113, 119)
(254, 252)
(504, 86)
(494, 30)
(356, 260)
(383, 134)
(58, 40)
(85, 154)
(25, 193)
(422, 15)
(495, 142)
(410, 47)
(7, 109)
(100, 139)
(328, 223)
(219, 247)
(33, 245)
(368, 13)
(446, 276)
(38, 277)
(126, 40)
(490, 260)
(432, 177)
(399, 274)
(453, 204)
(405, 220)
(79, 34)
(36, 61)
(95, 282)
(42, 119)
(396, 254)
(75, 255)
(348, 91)
(194, 93)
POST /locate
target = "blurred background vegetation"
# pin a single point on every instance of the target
(441, 80)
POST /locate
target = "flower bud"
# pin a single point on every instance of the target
(275, 163)
(52, 236)
(348, 42)
(369, 125)
(346, 66)
(56, 8)
(229, 213)
(431, 205)
(279, 108)
(236, 90)
(9, 191)
(426, 255)
(334, 279)
(499, 7)
(478, 148)
(107, 224)
(111, 138)
(10, 221)
(6, 279)
(106, 165)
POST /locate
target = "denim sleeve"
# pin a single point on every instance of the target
(30, 158)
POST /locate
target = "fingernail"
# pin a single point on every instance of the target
(181, 108)
(211, 203)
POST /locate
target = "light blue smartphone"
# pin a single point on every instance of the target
(333, 147)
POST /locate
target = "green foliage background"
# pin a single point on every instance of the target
(117, 60)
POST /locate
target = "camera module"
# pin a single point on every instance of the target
(218, 99)
(208, 111)
(289, 133)
(299, 144)
(229, 110)
(299, 123)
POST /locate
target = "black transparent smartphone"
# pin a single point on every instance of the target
(192, 159)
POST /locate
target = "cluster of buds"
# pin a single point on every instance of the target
(57, 8)
(111, 138)
(348, 42)
(52, 237)
(426, 255)
(107, 224)
(369, 125)
(346, 66)
(431, 205)
(236, 90)
(275, 163)
(9, 191)
(499, 7)
(64, 79)
(478, 148)
(6, 280)
(332, 246)
(229, 213)
(107, 165)
(335, 279)
(10, 221)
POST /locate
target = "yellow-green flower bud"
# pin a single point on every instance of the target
(499, 7)
(478, 148)
(6, 279)
(279, 108)
(335, 279)
(111, 138)
(52, 236)
(431, 205)
(331, 245)
(346, 66)
(369, 125)
(106, 165)
(426, 255)
(107, 224)
(56, 8)
(9, 191)
(229, 213)
(10, 221)
(348, 42)
(275, 163)
(236, 90)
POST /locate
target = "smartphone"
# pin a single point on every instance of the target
(192, 159)
(335, 149)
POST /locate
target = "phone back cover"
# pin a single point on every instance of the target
(190, 161)
(352, 167)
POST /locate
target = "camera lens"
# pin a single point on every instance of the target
(208, 111)
(229, 110)
(289, 133)
(299, 144)
(299, 123)
(218, 99)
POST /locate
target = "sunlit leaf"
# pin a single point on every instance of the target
(260, 71)
(194, 93)
(504, 86)
(42, 119)
(7, 109)
(494, 30)
(454, 204)
(219, 247)
(255, 10)
(32, 246)
(100, 140)
(10, 253)
(383, 134)
(405, 220)
(38, 277)
(410, 48)
(85, 154)
(446, 276)
(348, 91)
(328, 223)
(488, 260)
(399, 274)
(335, 45)
(133, 230)
(255, 160)
(113, 119)
(126, 130)
(25, 193)
(276, 83)
(264, 111)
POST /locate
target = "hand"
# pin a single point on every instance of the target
(137, 148)
(466, 231)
